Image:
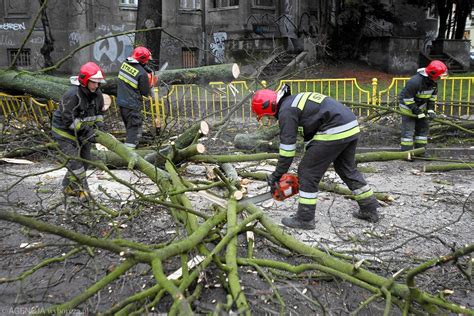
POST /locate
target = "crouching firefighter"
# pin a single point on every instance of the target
(330, 132)
(418, 98)
(79, 113)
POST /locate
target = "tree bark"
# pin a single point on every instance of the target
(27, 83)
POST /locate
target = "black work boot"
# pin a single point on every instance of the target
(367, 210)
(304, 217)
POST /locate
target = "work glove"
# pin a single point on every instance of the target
(272, 181)
(86, 134)
(416, 111)
(431, 114)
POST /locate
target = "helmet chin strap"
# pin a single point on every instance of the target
(283, 92)
(422, 71)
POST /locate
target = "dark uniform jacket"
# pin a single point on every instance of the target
(418, 95)
(78, 109)
(318, 117)
(132, 85)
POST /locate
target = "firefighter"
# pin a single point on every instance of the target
(330, 132)
(418, 98)
(80, 111)
(135, 80)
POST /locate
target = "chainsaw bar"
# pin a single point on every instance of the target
(258, 198)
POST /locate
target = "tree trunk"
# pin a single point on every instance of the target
(48, 45)
(51, 87)
(27, 83)
(149, 14)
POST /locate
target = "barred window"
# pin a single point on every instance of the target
(189, 57)
(23, 60)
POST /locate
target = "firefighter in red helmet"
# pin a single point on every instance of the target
(418, 98)
(135, 81)
(79, 113)
(330, 131)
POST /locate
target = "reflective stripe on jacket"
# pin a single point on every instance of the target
(132, 84)
(77, 107)
(319, 117)
(419, 91)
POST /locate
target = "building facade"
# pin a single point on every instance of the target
(73, 23)
(203, 32)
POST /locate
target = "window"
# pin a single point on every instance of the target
(263, 3)
(23, 59)
(17, 8)
(190, 4)
(225, 3)
(129, 3)
(189, 57)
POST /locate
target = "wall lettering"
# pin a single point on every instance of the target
(5, 40)
(13, 26)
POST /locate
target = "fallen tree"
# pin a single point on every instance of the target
(208, 242)
(53, 87)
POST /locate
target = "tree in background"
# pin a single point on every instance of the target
(149, 14)
(351, 18)
(452, 16)
(48, 45)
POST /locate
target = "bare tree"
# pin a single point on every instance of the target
(48, 45)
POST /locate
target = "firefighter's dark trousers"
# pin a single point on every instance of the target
(75, 178)
(133, 120)
(413, 132)
(316, 160)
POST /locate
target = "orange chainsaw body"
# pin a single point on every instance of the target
(286, 187)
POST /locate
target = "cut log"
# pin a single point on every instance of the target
(260, 140)
(205, 74)
(448, 167)
(189, 137)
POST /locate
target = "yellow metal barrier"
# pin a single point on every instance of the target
(341, 89)
(183, 105)
(25, 109)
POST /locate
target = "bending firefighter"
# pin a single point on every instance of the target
(330, 132)
(418, 98)
(135, 81)
(79, 113)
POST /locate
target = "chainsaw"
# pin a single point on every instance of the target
(285, 188)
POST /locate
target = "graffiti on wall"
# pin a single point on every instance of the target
(13, 26)
(38, 40)
(430, 36)
(218, 47)
(74, 38)
(111, 52)
(6, 40)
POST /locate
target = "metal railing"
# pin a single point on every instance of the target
(185, 104)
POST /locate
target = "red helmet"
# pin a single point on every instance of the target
(436, 69)
(90, 71)
(264, 102)
(142, 54)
